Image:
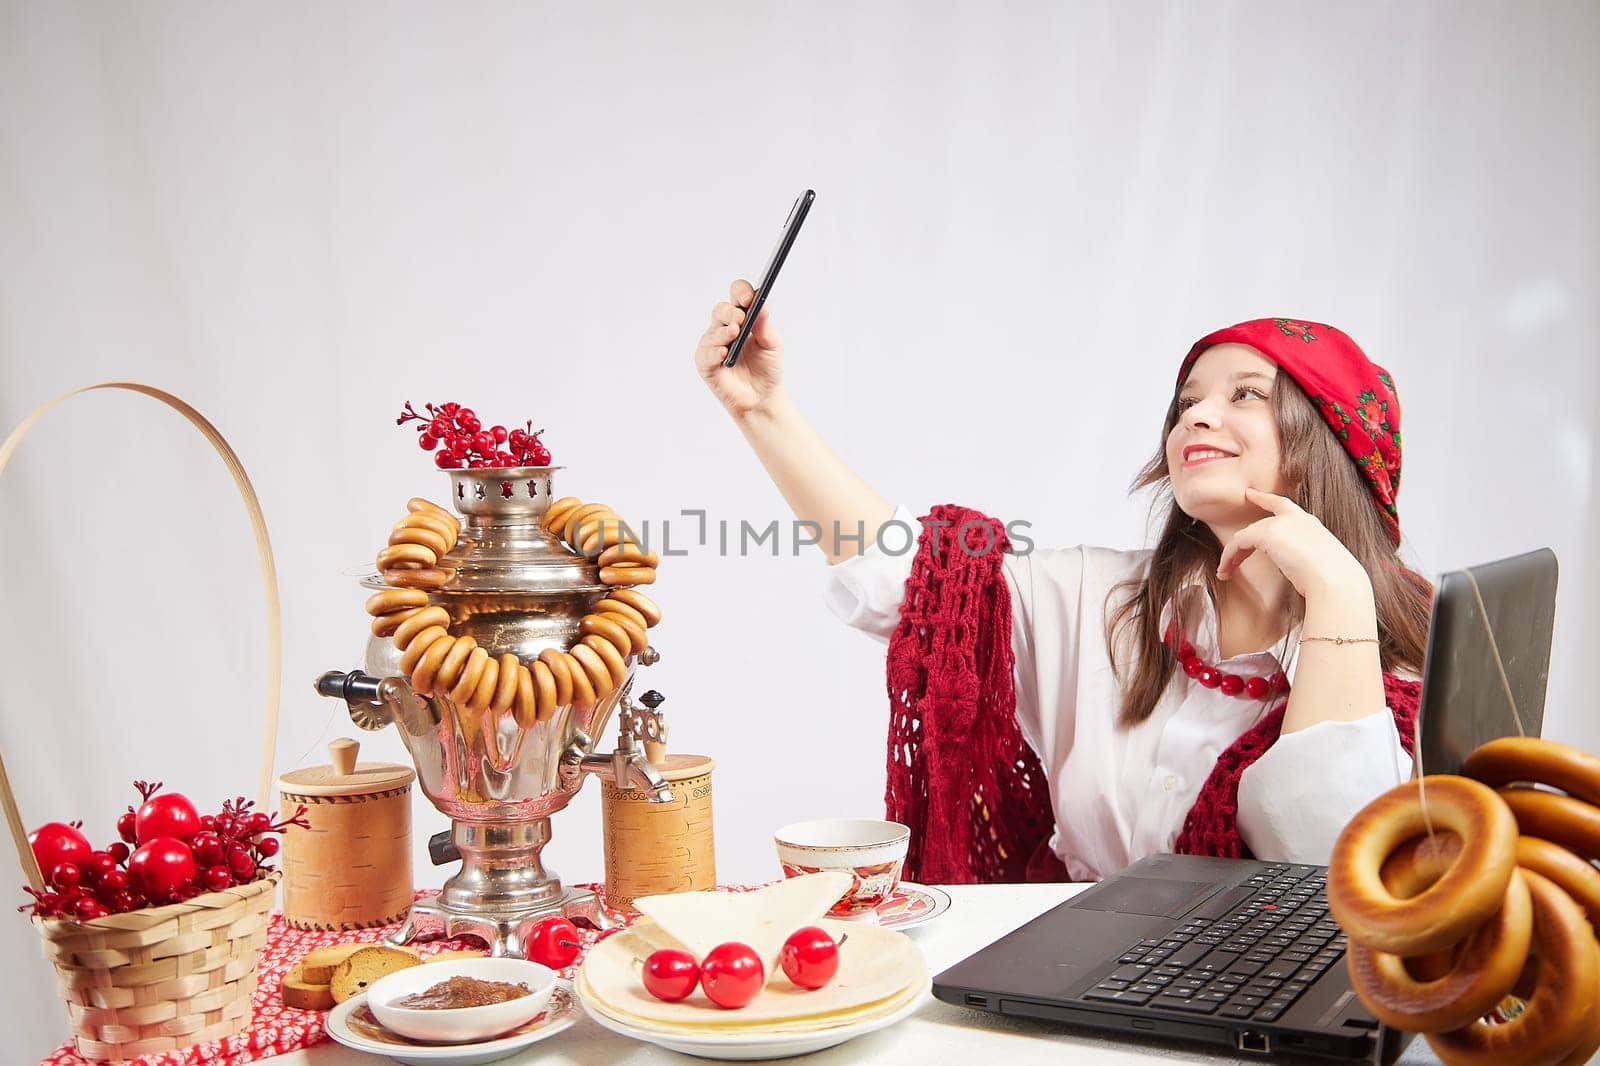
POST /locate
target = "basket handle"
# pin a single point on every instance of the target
(269, 578)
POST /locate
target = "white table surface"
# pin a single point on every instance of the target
(937, 1033)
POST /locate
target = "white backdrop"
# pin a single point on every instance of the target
(299, 215)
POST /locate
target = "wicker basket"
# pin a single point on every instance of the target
(164, 978)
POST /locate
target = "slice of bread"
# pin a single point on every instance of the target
(304, 995)
(353, 975)
(320, 964)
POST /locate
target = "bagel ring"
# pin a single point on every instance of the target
(611, 631)
(385, 625)
(1576, 878)
(1478, 975)
(628, 553)
(619, 609)
(1556, 1016)
(421, 535)
(432, 523)
(453, 666)
(556, 663)
(427, 669)
(387, 601)
(505, 692)
(1509, 760)
(418, 645)
(610, 654)
(400, 555)
(425, 617)
(467, 675)
(639, 602)
(636, 575)
(583, 690)
(425, 578)
(1563, 820)
(565, 503)
(595, 668)
(482, 697)
(544, 690)
(1458, 902)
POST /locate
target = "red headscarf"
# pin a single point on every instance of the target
(1355, 395)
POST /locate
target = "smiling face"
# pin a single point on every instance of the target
(1225, 437)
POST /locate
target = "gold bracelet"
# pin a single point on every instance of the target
(1342, 640)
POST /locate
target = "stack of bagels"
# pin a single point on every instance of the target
(1470, 904)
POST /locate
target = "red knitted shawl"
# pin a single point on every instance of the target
(959, 772)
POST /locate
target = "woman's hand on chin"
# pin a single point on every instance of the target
(1311, 558)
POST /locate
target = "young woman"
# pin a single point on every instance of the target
(1243, 687)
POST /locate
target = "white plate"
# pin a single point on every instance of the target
(563, 1012)
(746, 1047)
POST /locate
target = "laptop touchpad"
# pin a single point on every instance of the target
(1143, 895)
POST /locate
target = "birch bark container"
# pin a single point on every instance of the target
(352, 869)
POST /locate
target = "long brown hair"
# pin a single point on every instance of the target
(1323, 480)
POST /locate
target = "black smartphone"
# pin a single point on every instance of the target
(791, 227)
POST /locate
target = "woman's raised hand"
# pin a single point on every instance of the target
(1313, 559)
(754, 380)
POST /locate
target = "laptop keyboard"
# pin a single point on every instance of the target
(1246, 955)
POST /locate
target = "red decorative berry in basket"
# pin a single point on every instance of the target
(127, 827)
(732, 975)
(671, 974)
(87, 909)
(65, 875)
(112, 881)
(552, 942)
(55, 843)
(119, 851)
(267, 847)
(810, 957)
(164, 814)
(241, 862)
(160, 867)
(209, 849)
(217, 878)
(98, 865)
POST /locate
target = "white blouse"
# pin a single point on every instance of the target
(1122, 794)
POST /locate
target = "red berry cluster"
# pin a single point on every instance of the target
(457, 439)
(169, 852)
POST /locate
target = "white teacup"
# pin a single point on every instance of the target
(870, 851)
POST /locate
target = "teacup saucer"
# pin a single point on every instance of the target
(908, 905)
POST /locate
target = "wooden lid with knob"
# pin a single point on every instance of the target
(346, 777)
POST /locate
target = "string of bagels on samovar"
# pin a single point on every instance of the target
(437, 663)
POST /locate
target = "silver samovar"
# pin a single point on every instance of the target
(515, 588)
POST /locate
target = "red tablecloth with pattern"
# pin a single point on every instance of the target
(276, 1029)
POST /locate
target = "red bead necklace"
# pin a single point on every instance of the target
(1254, 688)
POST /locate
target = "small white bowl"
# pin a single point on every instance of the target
(871, 851)
(460, 1025)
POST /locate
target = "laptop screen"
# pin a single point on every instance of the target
(1486, 619)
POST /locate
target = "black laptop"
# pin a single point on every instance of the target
(1243, 953)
